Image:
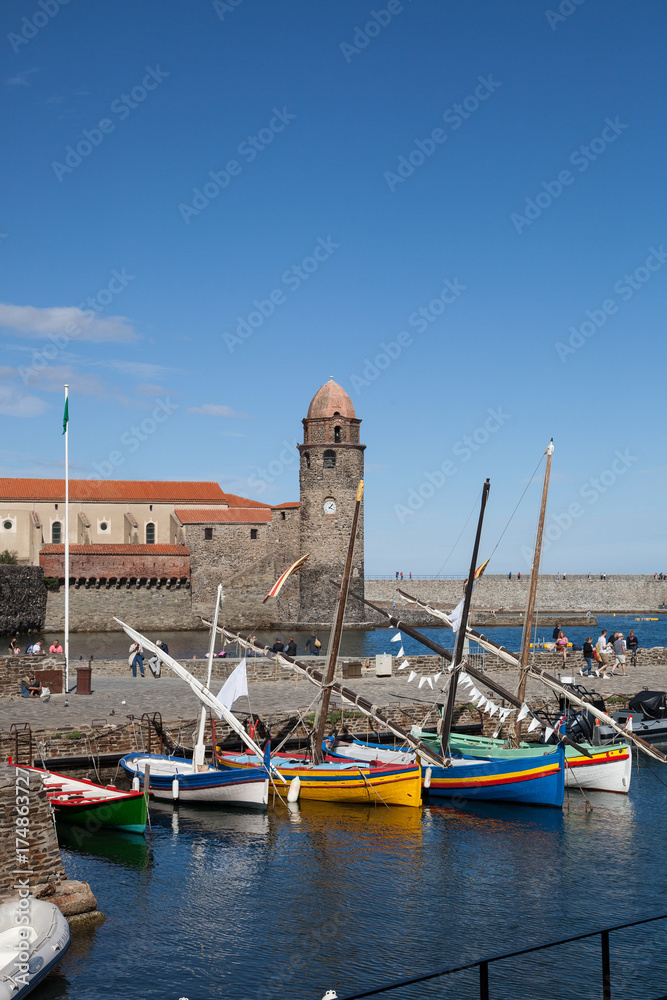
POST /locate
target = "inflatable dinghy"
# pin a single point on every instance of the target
(29, 949)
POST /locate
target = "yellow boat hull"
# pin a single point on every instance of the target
(360, 784)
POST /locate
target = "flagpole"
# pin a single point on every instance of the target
(66, 429)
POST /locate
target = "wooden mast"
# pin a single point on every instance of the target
(336, 632)
(534, 573)
(461, 633)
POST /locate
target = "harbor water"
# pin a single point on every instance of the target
(282, 906)
(115, 645)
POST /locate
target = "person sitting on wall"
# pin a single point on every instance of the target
(155, 663)
(278, 646)
(55, 647)
(30, 686)
(290, 648)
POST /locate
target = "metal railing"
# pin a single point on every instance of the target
(483, 963)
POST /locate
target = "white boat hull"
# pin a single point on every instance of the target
(28, 952)
(610, 776)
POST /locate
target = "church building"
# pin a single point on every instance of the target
(190, 536)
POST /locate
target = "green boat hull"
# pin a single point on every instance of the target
(129, 813)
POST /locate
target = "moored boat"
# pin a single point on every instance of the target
(535, 779)
(608, 769)
(351, 782)
(176, 778)
(80, 802)
(28, 952)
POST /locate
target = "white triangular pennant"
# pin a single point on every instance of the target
(430, 681)
(412, 676)
(422, 681)
(464, 678)
(493, 708)
(401, 652)
(534, 725)
(475, 693)
(404, 664)
(397, 637)
(523, 713)
(437, 677)
(548, 733)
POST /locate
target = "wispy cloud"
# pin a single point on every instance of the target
(16, 403)
(21, 79)
(29, 321)
(136, 369)
(215, 410)
(149, 389)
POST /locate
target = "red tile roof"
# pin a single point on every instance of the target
(116, 550)
(94, 490)
(290, 505)
(235, 501)
(235, 515)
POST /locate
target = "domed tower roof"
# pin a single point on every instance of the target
(329, 400)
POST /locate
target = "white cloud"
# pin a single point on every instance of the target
(21, 79)
(138, 369)
(15, 403)
(29, 321)
(215, 410)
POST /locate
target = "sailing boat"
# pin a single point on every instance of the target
(193, 780)
(324, 780)
(538, 782)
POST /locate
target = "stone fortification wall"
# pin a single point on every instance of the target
(117, 562)
(22, 598)
(145, 607)
(575, 593)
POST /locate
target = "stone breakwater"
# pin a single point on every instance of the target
(39, 865)
(627, 593)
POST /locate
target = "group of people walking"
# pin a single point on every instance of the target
(605, 648)
(601, 654)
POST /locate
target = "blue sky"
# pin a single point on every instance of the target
(171, 166)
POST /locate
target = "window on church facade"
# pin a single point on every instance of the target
(150, 533)
(329, 459)
(253, 533)
(337, 434)
(282, 515)
(56, 532)
(208, 534)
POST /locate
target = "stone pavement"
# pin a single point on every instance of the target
(115, 696)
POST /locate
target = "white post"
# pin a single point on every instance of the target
(67, 545)
(198, 757)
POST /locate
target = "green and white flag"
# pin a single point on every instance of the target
(66, 415)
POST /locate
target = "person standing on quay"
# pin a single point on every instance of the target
(588, 657)
(290, 648)
(136, 659)
(619, 653)
(633, 644)
(509, 575)
(518, 576)
(603, 656)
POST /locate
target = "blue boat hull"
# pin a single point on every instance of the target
(525, 780)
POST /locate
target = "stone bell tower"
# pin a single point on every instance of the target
(332, 463)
